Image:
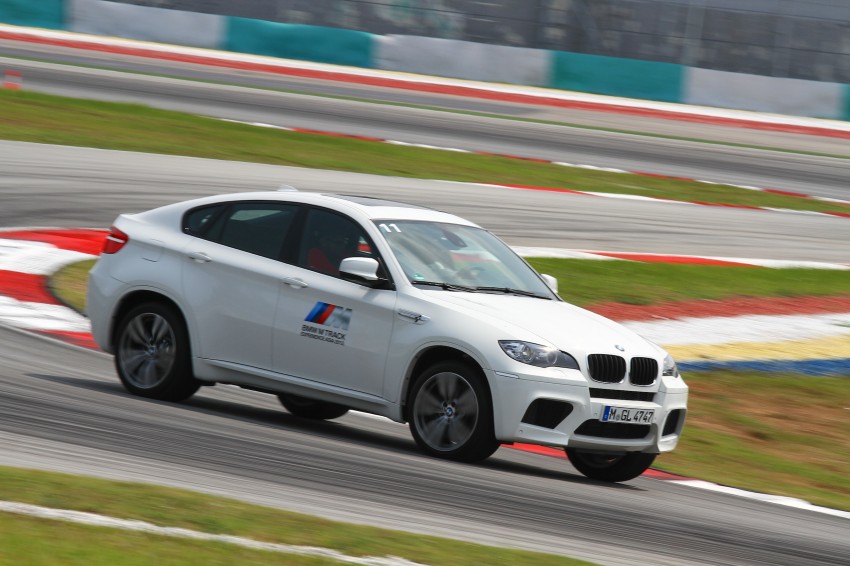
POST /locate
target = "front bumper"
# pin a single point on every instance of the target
(513, 394)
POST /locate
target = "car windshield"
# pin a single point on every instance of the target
(454, 257)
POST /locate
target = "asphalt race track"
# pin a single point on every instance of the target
(62, 408)
(79, 187)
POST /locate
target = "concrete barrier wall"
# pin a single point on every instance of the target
(295, 41)
(97, 17)
(614, 76)
(846, 113)
(33, 13)
(462, 59)
(765, 94)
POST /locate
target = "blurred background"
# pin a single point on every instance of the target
(780, 38)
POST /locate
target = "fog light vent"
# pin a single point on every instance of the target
(672, 423)
(547, 413)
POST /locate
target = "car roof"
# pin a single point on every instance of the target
(368, 207)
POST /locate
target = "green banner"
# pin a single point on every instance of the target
(296, 41)
(33, 13)
(630, 78)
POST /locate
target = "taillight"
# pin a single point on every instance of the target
(114, 241)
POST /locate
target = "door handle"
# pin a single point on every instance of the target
(200, 257)
(415, 317)
(294, 282)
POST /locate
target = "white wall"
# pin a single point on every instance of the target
(462, 59)
(776, 95)
(98, 17)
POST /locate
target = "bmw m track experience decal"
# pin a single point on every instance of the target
(331, 323)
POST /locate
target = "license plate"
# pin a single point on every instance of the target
(627, 415)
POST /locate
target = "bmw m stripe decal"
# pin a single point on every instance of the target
(326, 314)
(320, 313)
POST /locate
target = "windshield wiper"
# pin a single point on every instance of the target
(445, 286)
(521, 292)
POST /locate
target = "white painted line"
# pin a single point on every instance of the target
(578, 166)
(426, 146)
(141, 526)
(829, 199)
(637, 197)
(784, 263)
(792, 211)
(776, 499)
(527, 251)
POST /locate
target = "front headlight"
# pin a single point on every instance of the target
(537, 355)
(670, 368)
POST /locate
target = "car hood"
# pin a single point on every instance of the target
(565, 326)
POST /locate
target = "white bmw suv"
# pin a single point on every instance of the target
(337, 302)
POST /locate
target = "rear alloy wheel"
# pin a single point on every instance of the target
(610, 467)
(451, 414)
(310, 408)
(152, 354)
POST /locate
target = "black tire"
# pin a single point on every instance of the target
(451, 413)
(610, 467)
(152, 353)
(310, 408)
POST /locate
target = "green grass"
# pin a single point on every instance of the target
(781, 434)
(67, 544)
(69, 284)
(584, 282)
(26, 541)
(43, 118)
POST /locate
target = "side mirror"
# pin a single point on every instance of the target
(361, 270)
(551, 282)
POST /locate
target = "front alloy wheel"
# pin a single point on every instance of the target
(610, 467)
(451, 413)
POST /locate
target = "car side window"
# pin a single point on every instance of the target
(328, 238)
(198, 221)
(256, 227)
